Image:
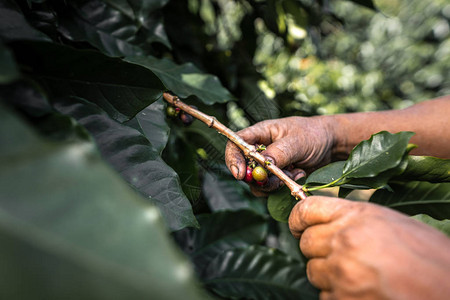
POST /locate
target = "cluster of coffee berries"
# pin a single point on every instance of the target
(255, 172)
(174, 112)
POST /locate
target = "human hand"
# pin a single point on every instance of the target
(295, 143)
(365, 251)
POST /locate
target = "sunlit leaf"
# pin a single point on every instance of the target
(185, 80)
(427, 168)
(441, 225)
(381, 152)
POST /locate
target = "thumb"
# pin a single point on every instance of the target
(282, 152)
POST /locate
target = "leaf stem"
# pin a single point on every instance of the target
(249, 150)
(330, 184)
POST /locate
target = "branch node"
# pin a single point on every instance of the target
(213, 119)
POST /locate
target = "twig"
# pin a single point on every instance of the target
(247, 149)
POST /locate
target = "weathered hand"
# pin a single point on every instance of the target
(364, 251)
(294, 143)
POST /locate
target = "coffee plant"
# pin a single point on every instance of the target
(107, 191)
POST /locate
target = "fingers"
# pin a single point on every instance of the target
(283, 152)
(316, 210)
(235, 161)
(316, 240)
(275, 183)
(317, 270)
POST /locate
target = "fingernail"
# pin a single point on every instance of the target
(234, 171)
(299, 175)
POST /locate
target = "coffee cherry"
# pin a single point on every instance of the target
(259, 174)
(187, 119)
(248, 175)
(171, 111)
(261, 183)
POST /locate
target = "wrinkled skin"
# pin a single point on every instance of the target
(295, 143)
(357, 250)
(365, 251)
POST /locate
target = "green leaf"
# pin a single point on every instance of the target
(417, 197)
(70, 227)
(138, 10)
(131, 154)
(258, 273)
(115, 28)
(426, 168)
(280, 204)
(154, 126)
(381, 152)
(9, 72)
(226, 193)
(221, 231)
(120, 88)
(441, 225)
(343, 192)
(366, 3)
(14, 26)
(185, 80)
(256, 105)
(326, 174)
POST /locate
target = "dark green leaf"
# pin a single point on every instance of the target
(9, 71)
(256, 105)
(131, 154)
(441, 225)
(343, 192)
(258, 273)
(280, 204)
(288, 244)
(383, 151)
(137, 10)
(185, 80)
(115, 29)
(154, 126)
(120, 88)
(426, 168)
(326, 174)
(417, 197)
(71, 228)
(219, 232)
(225, 193)
(365, 3)
(14, 26)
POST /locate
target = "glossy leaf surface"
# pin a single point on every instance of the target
(417, 197)
(219, 232)
(132, 155)
(120, 88)
(280, 204)
(381, 152)
(185, 80)
(258, 273)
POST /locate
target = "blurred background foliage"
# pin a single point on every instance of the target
(332, 58)
(300, 57)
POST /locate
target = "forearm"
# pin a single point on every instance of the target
(430, 121)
